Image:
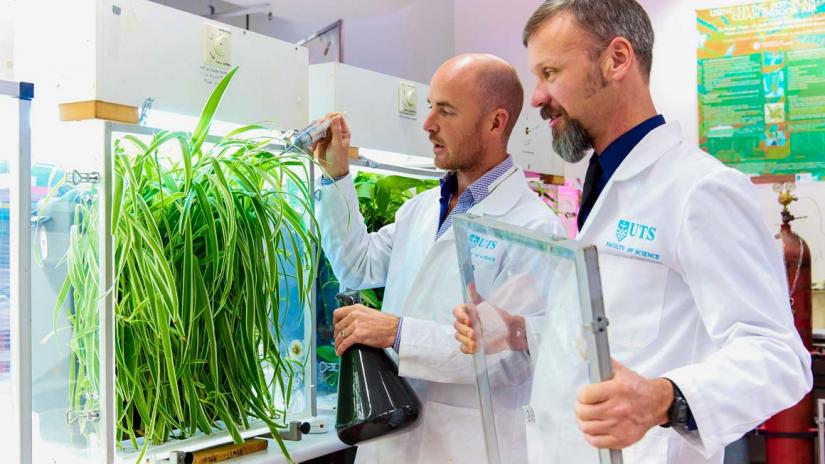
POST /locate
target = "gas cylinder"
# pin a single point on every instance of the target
(789, 437)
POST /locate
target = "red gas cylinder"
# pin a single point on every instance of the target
(789, 438)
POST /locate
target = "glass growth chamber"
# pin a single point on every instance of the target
(172, 305)
(171, 260)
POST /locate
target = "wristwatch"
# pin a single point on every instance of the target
(679, 414)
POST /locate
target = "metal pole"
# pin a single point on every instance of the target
(106, 307)
(313, 311)
(20, 276)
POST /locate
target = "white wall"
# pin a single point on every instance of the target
(6, 39)
(409, 43)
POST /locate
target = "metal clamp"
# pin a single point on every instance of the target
(144, 110)
(74, 416)
(78, 177)
(294, 431)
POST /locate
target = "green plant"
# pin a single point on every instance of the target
(380, 196)
(208, 243)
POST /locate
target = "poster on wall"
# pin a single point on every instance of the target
(761, 86)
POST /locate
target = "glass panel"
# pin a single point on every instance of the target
(327, 362)
(66, 382)
(8, 149)
(530, 297)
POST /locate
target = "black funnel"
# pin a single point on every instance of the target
(372, 399)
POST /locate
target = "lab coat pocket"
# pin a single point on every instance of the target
(634, 292)
(650, 449)
(452, 434)
(558, 440)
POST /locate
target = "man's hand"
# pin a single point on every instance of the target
(464, 318)
(617, 413)
(333, 152)
(358, 324)
(502, 330)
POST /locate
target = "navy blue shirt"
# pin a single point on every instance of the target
(612, 158)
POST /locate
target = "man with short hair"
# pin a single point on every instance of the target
(701, 330)
(475, 101)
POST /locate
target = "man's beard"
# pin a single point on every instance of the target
(464, 154)
(572, 141)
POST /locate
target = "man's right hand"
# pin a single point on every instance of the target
(464, 333)
(502, 330)
(333, 152)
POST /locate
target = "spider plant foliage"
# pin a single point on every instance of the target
(211, 244)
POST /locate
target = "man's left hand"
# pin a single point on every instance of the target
(358, 324)
(617, 413)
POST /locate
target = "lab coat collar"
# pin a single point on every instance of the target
(504, 194)
(649, 150)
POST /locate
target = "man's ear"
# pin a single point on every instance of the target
(620, 57)
(499, 121)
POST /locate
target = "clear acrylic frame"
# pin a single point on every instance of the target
(536, 302)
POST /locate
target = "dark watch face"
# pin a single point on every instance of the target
(679, 411)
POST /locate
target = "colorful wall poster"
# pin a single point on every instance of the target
(762, 86)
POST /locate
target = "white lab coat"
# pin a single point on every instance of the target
(423, 285)
(695, 291)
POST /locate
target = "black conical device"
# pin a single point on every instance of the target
(373, 400)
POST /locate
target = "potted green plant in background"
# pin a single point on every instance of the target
(212, 243)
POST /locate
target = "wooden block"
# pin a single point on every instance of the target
(222, 453)
(96, 109)
(353, 153)
(552, 179)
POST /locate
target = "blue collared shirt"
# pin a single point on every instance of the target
(617, 151)
(473, 195)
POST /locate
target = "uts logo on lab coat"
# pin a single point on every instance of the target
(640, 231)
